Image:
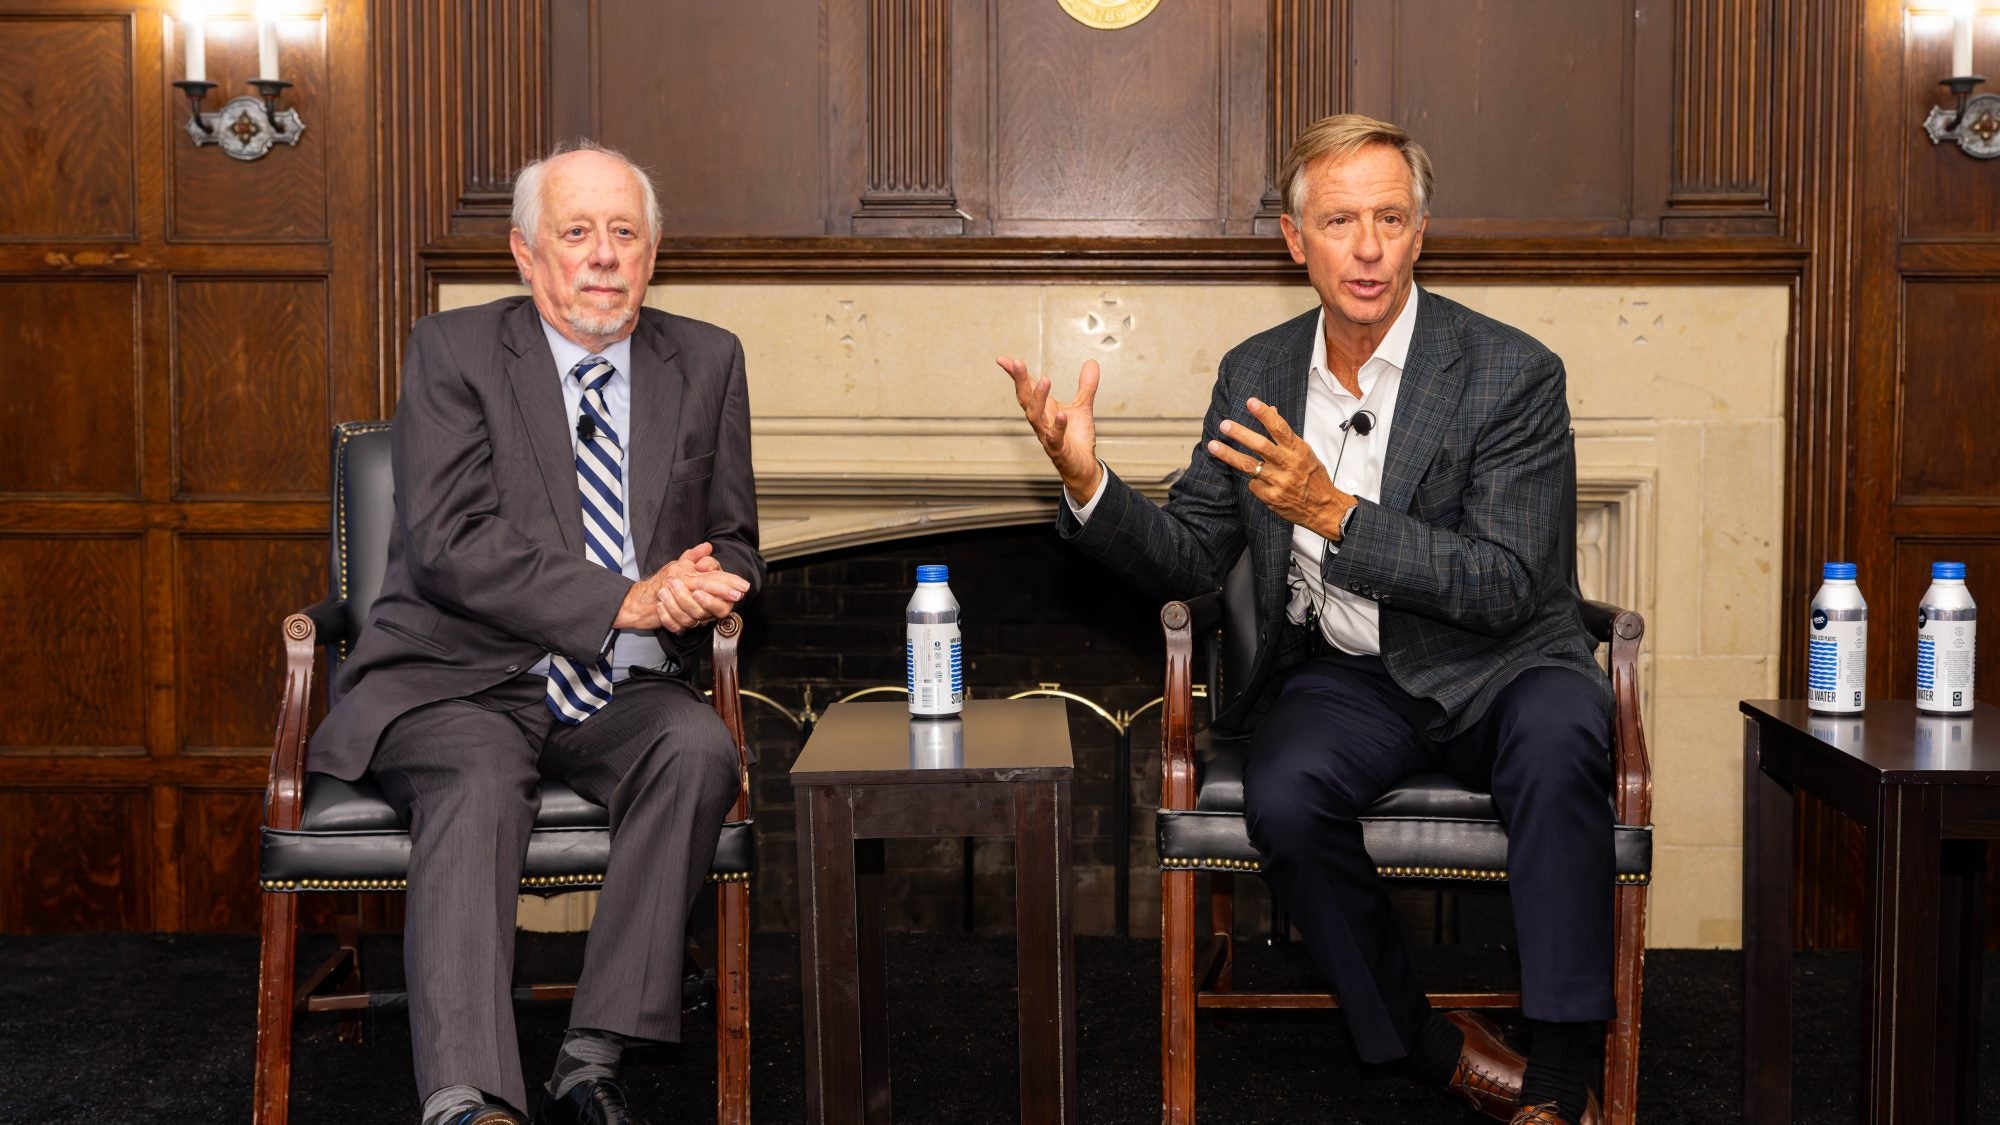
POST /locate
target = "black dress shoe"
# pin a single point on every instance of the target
(594, 1101)
(489, 1112)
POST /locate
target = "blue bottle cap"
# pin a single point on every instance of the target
(1838, 570)
(938, 572)
(1948, 570)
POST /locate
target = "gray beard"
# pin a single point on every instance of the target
(600, 325)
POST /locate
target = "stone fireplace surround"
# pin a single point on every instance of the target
(879, 417)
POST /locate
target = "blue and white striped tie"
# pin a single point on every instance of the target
(576, 691)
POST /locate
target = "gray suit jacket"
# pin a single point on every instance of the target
(486, 570)
(1462, 554)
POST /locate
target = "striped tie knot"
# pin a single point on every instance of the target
(593, 371)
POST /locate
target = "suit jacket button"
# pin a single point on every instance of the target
(1354, 586)
(513, 668)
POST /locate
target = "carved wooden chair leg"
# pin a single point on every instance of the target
(1177, 997)
(732, 1003)
(271, 1101)
(1621, 1047)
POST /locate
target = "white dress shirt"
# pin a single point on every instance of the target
(1351, 622)
(633, 647)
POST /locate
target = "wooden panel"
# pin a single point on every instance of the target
(66, 127)
(251, 407)
(1306, 82)
(1522, 105)
(218, 858)
(1893, 628)
(234, 594)
(1722, 147)
(503, 99)
(909, 121)
(1950, 391)
(71, 652)
(722, 103)
(282, 195)
(74, 860)
(69, 420)
(1946, 193)
(1120, 125)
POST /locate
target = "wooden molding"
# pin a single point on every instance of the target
(909, 121)
(1723, 92)
(1306, 82)
(1187, 260)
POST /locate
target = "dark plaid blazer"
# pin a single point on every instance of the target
(1463, 554)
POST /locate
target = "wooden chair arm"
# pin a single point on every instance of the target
(329, 620)
(728, 700)
(1177, 785)
(284, 792)
(1634, 785)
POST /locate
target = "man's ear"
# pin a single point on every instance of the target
(523, 260)
(1294, 238)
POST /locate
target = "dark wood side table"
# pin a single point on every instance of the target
(1926, 790)
(870, 772)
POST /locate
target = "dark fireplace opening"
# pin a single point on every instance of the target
(1035, 612)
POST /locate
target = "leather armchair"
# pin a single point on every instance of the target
(1431, 830)
(324, 834)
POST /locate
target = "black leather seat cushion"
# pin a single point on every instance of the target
(1430, 827)
(349, 834)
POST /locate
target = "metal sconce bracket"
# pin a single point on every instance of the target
(245, 127)
(1974, 124)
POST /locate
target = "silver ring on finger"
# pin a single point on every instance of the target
(1258, 471)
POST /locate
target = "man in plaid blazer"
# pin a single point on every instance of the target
(1396, 467)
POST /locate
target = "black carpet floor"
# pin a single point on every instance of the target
(160, 1028)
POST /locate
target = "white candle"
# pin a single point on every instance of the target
(1961, 38)
(267, 48)
(197, 47)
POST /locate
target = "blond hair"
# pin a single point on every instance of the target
(1340, 137)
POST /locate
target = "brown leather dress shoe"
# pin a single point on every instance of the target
(1489, 1072)
(1550, 1115)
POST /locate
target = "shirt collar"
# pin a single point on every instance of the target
(1394, 349)
(568, 355)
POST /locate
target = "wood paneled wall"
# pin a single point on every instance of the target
(178, 329)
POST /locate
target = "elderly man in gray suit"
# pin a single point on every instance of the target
(573, 502)
(1396, 466)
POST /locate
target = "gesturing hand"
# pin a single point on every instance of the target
(1284, 472)
(1067, 430)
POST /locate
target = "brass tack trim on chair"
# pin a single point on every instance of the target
(729, 876)
(1466, 874)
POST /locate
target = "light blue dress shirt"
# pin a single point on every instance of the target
(634, 648)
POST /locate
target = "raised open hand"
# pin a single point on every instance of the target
(1067, 430)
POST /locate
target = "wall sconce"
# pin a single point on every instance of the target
(1975, 122)
(245, 127)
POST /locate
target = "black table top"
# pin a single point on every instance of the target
(1893, 739)
(995, 740)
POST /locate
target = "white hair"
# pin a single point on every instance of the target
(528, 188)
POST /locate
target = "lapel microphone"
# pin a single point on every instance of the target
(586, 430)
(1361, 423)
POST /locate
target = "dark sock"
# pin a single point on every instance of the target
(1434, 1056)
(1562, 1060)
(587, 1053)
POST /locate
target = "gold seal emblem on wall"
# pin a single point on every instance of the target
(1108, 15)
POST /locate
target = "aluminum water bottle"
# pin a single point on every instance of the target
(1947, 623)
(932, 663)
(1837, 644)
